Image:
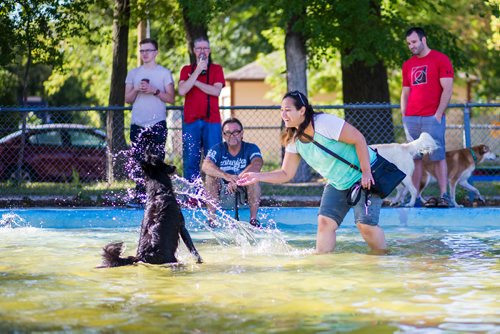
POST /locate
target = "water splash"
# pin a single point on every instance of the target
(226, 229)
(12, 220)
(133, 171)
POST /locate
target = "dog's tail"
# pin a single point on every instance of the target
(423, 145)
(111, 256)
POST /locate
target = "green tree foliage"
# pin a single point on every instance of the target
(476, 26)
(39, 27)
(241, 31)
(167, 28)
(462, 29)
(238, 34)
(91, 61)
(87, 59)
(6, 29)
(33, 32)
(8, 84)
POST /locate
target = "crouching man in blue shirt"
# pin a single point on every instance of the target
(226, 161)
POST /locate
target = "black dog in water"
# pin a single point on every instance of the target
(162, 224)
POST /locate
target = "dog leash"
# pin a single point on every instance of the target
(240, 191)
(354, 195)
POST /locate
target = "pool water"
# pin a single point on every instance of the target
(441, 276)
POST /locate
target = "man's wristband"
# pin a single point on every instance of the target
(157, 92)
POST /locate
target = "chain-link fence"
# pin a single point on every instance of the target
(64, 143)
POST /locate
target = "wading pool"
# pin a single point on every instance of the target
(441, 275)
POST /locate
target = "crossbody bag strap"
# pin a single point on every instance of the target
(353, 166)
(208, 95)
(335, 155)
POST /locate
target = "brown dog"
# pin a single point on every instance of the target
(461, 163)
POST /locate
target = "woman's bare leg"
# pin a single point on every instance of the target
(374, 236)
(326, 235)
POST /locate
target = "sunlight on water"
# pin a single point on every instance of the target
(438, 278)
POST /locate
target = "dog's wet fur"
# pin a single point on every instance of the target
(162, 224)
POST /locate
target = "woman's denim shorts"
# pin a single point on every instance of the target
(334, 205)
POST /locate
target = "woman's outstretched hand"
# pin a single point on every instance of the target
(247, 179)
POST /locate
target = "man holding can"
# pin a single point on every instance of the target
(148, 87)
(200, 83)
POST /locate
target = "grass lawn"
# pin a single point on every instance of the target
(65, 189)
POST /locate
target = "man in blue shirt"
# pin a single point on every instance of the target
(227, 160)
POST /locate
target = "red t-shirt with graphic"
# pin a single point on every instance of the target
(195, 102)
(422, 76)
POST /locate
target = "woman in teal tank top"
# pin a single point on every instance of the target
(345, 140)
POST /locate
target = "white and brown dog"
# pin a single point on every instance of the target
(461, 163)
(402, 156)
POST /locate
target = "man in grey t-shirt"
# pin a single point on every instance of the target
(148, 88)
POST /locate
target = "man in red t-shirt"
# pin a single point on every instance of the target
(201, 84)
(427, 89)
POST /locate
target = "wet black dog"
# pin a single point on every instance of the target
(162, 224)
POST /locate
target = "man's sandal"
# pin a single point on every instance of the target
(431, 202)
(443, 201)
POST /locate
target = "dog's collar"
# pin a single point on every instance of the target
(473, 155)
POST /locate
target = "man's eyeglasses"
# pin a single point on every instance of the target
(147, 51)
(296, 93)
(202, 49)
(234, 133)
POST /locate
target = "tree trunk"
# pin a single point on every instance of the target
(193, 30)
(296, 79)
(362, 83)
(20, 160)
(296, 62)
(115, 118)
(141, 34)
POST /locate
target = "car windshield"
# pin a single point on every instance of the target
(46, 138)
(85, 139)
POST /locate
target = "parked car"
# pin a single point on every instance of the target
(54, 152)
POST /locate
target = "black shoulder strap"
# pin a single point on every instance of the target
(335, 155)
(208, 95)
(208, 82)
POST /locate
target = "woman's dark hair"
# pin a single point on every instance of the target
(299, 101)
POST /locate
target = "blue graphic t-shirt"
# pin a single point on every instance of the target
(230, 164)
